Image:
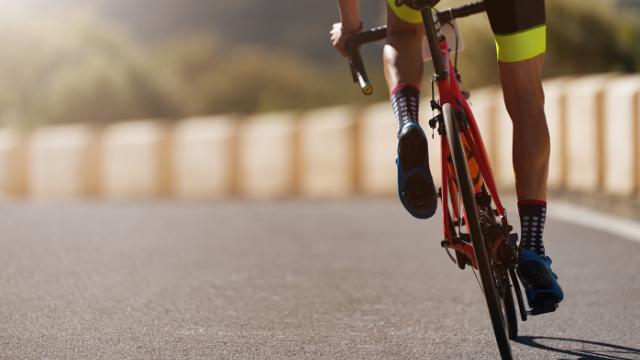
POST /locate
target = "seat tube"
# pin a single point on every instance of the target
(434, 43)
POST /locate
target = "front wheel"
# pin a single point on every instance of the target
(467, 193)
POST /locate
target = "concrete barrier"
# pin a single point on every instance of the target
(13, 163)
(585, 139)
(135, 160)
(555, 109)
(594, 123)
(328, 152)
(268, 156)
(622, 136)
(205, 157)
(63, 162)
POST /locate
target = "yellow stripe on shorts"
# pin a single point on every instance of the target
(406, 13)
(522, 45)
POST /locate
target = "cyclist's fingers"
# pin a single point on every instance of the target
(338, 39)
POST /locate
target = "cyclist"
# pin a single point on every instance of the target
(520, 34)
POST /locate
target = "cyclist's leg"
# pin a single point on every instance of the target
(524, 99)
(403, 51)
(519, 28)
(403, 67)
(520, 32)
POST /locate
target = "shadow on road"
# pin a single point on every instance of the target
(583, 349)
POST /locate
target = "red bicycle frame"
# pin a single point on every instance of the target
(449, 92)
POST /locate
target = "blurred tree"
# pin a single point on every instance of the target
(76, 68)
(582, 37)
(210, 78)
(591, 36)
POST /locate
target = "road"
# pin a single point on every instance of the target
(348, 279)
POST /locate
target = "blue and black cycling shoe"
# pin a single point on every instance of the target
(540, 282)
(415, 183)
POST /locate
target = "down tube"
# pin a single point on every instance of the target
(444, 194)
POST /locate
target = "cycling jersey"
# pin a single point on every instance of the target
(518, 26)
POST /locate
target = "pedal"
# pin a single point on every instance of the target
(544, 303)
(544, 308)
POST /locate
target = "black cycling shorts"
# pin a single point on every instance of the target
(518, 26)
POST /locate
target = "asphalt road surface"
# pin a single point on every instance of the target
(352, 279)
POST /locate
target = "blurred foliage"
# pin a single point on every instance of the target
(592, 36)
(208, 77)
(76, 68)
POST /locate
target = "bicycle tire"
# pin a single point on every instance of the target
(466, 189)
(509, 309)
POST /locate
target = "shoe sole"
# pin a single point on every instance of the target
(412, 154)
(535, 275)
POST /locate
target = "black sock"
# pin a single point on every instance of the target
(533, 214)
(405, 101)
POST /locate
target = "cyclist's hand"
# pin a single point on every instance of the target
(339, 38)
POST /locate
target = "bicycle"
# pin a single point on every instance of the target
(488, 246)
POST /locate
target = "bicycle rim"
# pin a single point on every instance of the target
(465, 187)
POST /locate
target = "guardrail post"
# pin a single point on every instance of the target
(205, 157)
(622, 136)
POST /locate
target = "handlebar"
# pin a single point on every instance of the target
(353, 43)
(445, 16)
(355, 59)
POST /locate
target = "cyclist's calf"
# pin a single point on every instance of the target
(524, 99)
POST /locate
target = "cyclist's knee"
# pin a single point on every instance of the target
(522, 83)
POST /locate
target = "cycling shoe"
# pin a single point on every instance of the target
(415, 183)
(540, 282)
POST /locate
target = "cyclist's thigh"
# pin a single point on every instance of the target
(403, 19)
(519, 28)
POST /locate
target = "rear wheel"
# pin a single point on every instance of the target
(465, 186)
(509, 309)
